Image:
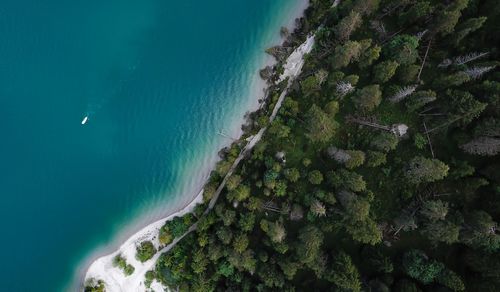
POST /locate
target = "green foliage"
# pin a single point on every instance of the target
(408, 74)
(165, 236)
(344, 274)
(467, 27)
(452, 80)
(148, 278)
(225, 235)
(240, 243)
(385, 142)
(415, 202)
(289, 268)
(347, 26)
(369, 56)
(402, 49)
(179, 225)
(357, 158)
(379, 262)
(356, 208)
(275, 230)
(233, 182)
(320, 127)
(461, 169)
(464, 107)
(419, 141)
(368, 98)
(120, 262)
(94, 286)
(228, 217)
(279, 130)
(246, 222)
(481, 232)
(442, 231)
(418, 266)
(241, 193)
(365, 231)
(366, 7)
(434, 210)
(292, 174)
(419, 99)
(271, 276)
(448, 18)
(309, 85)
(384, 71)
(332, 108)
(424, 170)
(347, 179)
(375, 158)
(416, 12)
(451, 280)
(280, 188)
(310, 241)
(315, 177)
(226, 269)
(200, 261)
(145, 251)
(345, 54)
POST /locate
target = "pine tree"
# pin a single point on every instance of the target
(481, 232)
(347, 26)
(467, 27)
(417, 265)
(384, 71)
(320, 126)
(423, 170)
(385, 142)
(402, 49)
(442, 231)
(345, 54)
(310, 241)
(368, 98)
(451, 280)
(344, 273)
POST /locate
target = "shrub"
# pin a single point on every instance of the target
(145, 251)
(120, 262)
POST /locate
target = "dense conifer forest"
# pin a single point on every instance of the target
(381, 170)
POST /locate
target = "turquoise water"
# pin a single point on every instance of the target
(158, 79)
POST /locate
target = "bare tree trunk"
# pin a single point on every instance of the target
(442, 125)
(429, 140)
(425, 58)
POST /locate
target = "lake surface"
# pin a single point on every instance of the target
(157, 79)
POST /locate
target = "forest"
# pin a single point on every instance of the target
(380, 172)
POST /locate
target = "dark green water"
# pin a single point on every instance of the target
(158, 79)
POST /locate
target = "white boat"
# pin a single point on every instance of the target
(85, 120)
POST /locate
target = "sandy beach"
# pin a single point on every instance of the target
(114, 278)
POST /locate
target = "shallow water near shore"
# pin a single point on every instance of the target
(157, 79)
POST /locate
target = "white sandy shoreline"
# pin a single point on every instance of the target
(114, 278)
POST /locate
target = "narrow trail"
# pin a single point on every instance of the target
(293, 68)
